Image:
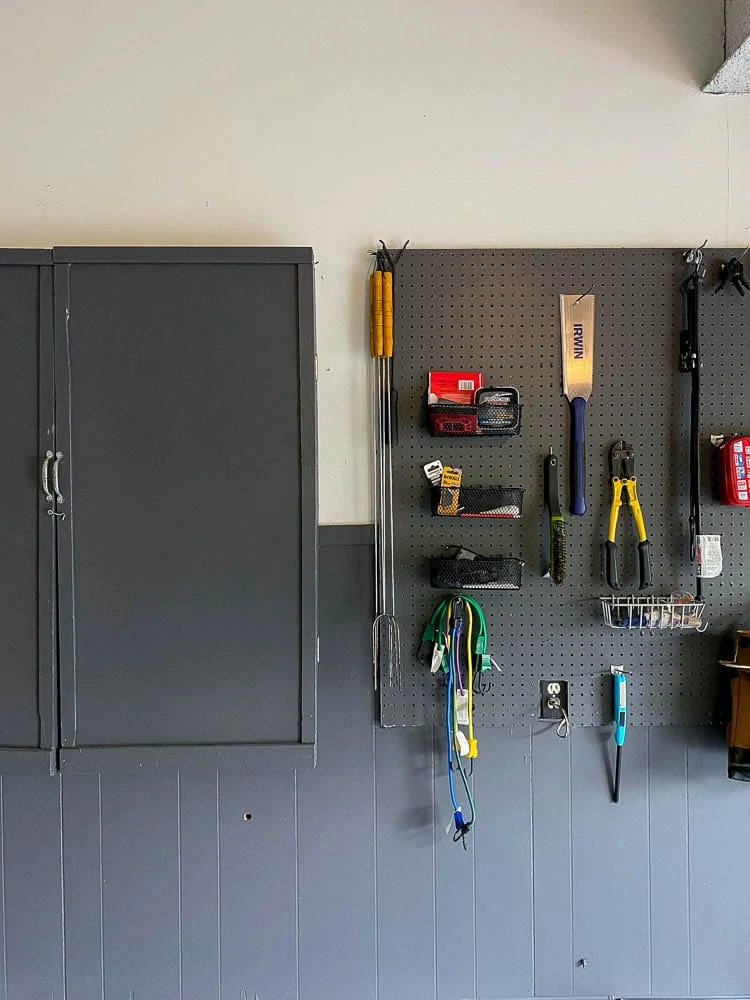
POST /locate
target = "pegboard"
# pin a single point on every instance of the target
(497, 311)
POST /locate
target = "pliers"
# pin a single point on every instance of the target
(622, 471)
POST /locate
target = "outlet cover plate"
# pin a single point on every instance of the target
(550, 689)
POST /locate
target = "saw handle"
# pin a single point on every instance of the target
(577, 456)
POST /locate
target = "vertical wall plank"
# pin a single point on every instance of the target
(553, 923)
(455, 900)
(33, 887)
(670, 933)
(718, 817)
(406, 864)
(199, 886)
(140, 890)
(610, 866)
(336, 801)
(3, 942)
(502, 842)
(84, 969)
(258, 886)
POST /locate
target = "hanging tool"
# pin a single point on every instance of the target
(556, 557)
(690, 362)
(455, 642)
(734, 272)
(621, 718)
(577, 324)
(622, 473)
(456, 746)
(386, 637)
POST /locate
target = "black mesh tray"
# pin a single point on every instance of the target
(502, 573)
(485, 420)
(480, 501)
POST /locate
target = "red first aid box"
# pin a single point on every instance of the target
(732, 468)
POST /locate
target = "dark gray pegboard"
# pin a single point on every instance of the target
(497, 311)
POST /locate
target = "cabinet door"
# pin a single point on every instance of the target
(28, 723)
(187, 561)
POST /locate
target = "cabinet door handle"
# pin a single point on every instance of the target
(45, 477)
(56, 477)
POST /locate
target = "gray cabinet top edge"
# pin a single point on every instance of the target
(183, 255)
(21, 256)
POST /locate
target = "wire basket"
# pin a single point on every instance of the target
(477, 501)
(678, 611)
(476, 574)
(468, 420)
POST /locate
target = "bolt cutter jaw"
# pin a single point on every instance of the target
(622, 460)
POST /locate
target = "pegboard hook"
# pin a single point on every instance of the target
(694, 258)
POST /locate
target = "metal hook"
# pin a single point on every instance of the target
(563, 728)
(695, 257)
(385, 255)
(583, 296)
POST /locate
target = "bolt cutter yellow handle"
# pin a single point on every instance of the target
(635, 508)
(614, 510)
(610, 546)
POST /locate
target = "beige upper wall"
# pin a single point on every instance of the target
(333, 123)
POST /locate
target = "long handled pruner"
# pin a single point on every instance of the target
(690, 362)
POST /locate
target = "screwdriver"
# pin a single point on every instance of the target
(621, 713)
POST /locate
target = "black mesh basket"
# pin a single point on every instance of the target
(477, 501)
(484, 420)
(502, 573)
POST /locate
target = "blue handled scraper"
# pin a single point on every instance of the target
(621, 721)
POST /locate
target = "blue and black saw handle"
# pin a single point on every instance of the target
(577, 328)
(578, 456)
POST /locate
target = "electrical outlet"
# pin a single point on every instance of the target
(554, 695)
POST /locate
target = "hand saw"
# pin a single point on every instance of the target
(577, 323)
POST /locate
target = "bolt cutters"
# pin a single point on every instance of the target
(622, 471)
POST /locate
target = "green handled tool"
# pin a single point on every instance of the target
(621, 719)
(556, 561)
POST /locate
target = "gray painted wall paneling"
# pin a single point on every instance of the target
(350, 888)
(258, 886)
(140, 885)
(32, 887)
(336, 850)
(82, 862)
(610, 867)
(199, 886)
(668, 859)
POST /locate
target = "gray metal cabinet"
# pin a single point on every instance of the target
(28, 717)
(185, 515)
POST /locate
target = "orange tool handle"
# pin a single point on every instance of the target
(388, 314)
(376, 287)
(372, 315)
